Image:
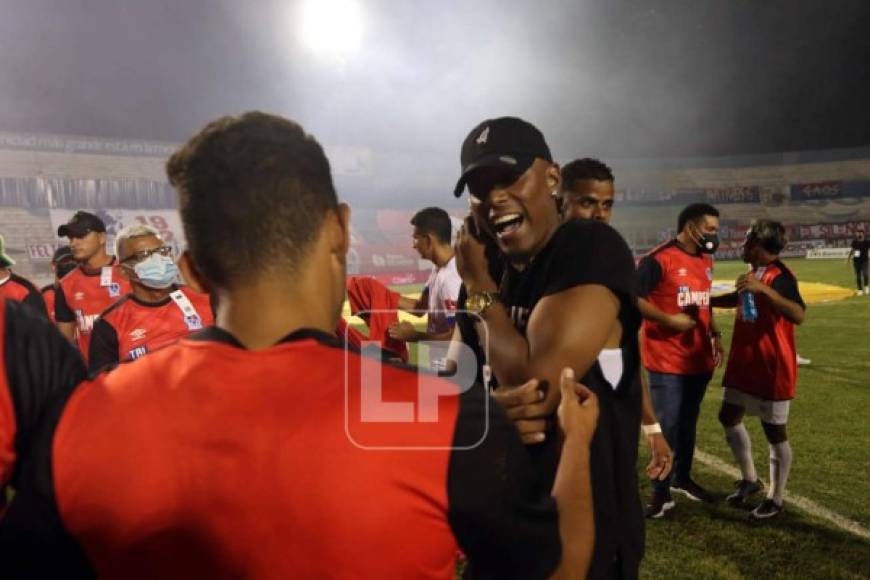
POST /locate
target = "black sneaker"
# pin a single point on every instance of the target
(766, 509)
(693, 491)
(660, 503)
(745, 489)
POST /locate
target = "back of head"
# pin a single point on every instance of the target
(586, 168)
(435, 221)
(694, 212)
(253, 192)
(770, 235)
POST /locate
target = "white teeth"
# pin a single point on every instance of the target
(505, 218)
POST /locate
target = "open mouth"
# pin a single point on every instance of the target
(506, 224)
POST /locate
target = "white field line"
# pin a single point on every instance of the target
(803, 503)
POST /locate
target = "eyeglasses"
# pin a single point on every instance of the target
(145, 254)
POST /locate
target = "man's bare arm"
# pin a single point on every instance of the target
(566, 329)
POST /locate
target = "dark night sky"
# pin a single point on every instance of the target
(615, 78)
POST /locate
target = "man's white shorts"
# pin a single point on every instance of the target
(771, 412)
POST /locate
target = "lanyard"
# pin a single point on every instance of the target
(191, 316)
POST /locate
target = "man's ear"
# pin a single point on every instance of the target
(554, 177)
(339, 234)
(191, 274)
(103, 236)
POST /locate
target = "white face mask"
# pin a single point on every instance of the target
(156, 271)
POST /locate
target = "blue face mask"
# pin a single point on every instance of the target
(156, 271)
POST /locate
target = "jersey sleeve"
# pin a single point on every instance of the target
(493, 501)
(103, 350)
(786, 286)
(591, 252)
(62, 311)
(649, 274)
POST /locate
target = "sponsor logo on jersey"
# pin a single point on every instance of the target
(688, 297)
(137, 352)
(137, 334)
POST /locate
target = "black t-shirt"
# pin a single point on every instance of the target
(40, 365)
(590, 252)
(786, 285)
(863, 249)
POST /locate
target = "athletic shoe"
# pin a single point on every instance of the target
(660, 503)
(745, 489)
(693, 491)
(766, 509)
(801, 361)
(859, 293)
(866, 290)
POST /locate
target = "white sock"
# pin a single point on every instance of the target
(780, 465)
(741, 446)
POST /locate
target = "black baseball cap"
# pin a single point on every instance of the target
(80, 225)
(62, 253)
(504, 142)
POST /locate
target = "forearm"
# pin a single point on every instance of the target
(420, 336)
(507, 350)
(411, 305)
(572, 491)
(651, 313)
(724, 301)
(648, 413)
(789, 309)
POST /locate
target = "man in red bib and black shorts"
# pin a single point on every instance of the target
(762, 372)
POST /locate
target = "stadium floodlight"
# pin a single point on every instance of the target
(331, 27)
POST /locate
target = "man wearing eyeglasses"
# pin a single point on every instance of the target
(92, 287)
(157, 311)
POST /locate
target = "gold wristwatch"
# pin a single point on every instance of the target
(478, 302)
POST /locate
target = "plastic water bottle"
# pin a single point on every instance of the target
(748, 310)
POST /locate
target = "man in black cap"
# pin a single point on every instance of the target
(62, 263)
(92, 287)
(567, 299)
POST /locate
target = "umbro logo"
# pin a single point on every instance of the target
(483, 137)
(137, 334)
(79, 296)
(682, 272)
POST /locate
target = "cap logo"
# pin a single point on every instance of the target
(483, 137)
(509, 160)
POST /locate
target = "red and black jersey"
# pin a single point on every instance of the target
(48, 295)
(22, 290)
(674, 281)
(208, 460)
(36, 364)
(131, 328)
(763, 359)
(83, 294)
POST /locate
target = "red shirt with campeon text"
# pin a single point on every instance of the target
(674, 281)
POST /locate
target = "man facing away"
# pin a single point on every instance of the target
(252, 449)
